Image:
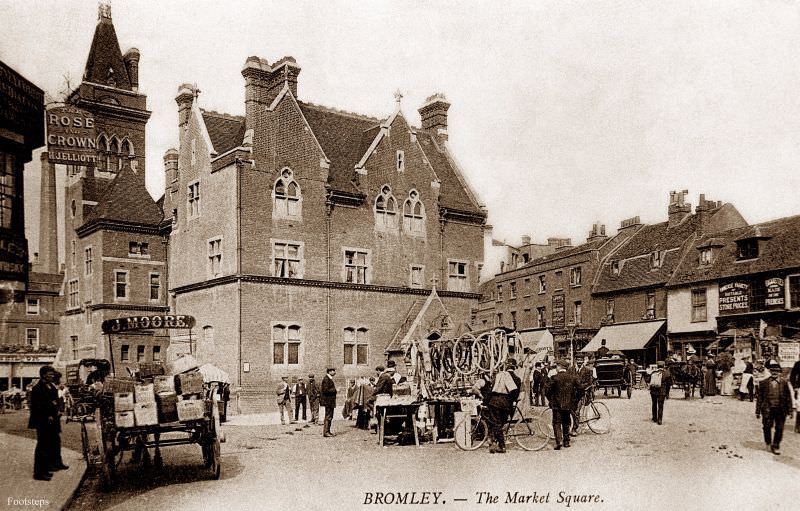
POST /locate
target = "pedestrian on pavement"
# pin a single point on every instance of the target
(300, 393)
(499, 401)
(538, 376)
(794, 379)
(760, 374)
(710, 377)
(313, 398)
(660, 381)
(746, 386)
(328, 400)
(283, 395)
(775, 396)
(564, 393)
(45, 419)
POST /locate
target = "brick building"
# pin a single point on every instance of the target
(303, 236)
(115, 254)
(739, 287)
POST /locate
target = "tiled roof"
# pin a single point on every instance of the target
(225, 131)
(127, 200)
(344, 138)
(104, 55)
(634, 256)
(452, 194)
(779, 248)
(566, 252)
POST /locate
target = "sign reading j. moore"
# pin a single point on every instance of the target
(118, 325)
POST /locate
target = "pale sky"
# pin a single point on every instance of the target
(563, 113)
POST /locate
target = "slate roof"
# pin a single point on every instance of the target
(225, 131)
(566, 252)
(634, 256)
(126, 200)
(779, 249)
(105, 54)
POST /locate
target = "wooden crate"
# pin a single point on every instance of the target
(123, 401)
(144, 393)
(190, 409)
(146, 414)
(124, 419)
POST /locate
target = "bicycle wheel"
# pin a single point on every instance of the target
(545, 423)
(528, 434)
(598, 418)
(474, 438)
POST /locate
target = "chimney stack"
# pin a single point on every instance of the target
(171, 169)
(678, 209)
(526, 240)
(131, 59)
(434, 114)
(559, 243)
(263, 83)
(703, 212)
(187, 92)
(629, 222)
(598, 233)
(48, 229)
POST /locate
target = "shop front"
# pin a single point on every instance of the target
(21, 369)
(643, 341)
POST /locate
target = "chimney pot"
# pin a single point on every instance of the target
(526, 240)
(433, 113)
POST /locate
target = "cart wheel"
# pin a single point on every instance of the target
(216, 462)
(629, 390)
(545, 423)
(105, 446)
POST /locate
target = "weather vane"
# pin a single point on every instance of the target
(398, 96)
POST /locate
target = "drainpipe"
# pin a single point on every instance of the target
(328, 214)
(239, 168)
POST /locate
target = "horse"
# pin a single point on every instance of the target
(688, 376)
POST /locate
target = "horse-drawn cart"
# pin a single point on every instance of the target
(612, 374)
(111, 439)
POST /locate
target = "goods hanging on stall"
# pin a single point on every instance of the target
(133, 414)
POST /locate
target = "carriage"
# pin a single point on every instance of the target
(78, 380)
(612, 374)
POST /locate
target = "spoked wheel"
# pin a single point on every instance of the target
(528, 434)
(545, 423)
(107, 450)
(215, 467)
(598, 418)
(471, 433)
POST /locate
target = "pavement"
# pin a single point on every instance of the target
(18, 489)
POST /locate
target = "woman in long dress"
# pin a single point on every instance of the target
(710, 379)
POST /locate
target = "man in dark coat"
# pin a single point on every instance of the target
(500, 394)
(660, 383)
(776, 402)
(313, 398)
(563, 393)
(300, 393)
(539, 374)
(328, 400)
(45, 420)
(385, 383)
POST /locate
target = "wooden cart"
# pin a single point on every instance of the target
(110, 441)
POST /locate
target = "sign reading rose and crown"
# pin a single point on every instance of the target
(118, 325)
(70, 136)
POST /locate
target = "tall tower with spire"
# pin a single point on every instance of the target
(115, 258)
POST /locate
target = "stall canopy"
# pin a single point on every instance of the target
(213, 373)
(630, 336)
(537, 340)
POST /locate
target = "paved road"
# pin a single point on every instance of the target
(707, 455)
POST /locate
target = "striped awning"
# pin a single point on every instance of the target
(629, 336)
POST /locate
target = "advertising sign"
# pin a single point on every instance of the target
(115, 326)
(775, 296)
(13, 259)
(21, 107)
(734, 297)
(788, 353)
(558, 311)
(70, 136)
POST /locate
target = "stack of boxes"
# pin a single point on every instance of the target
(145, 406)
(166, 399)
(123, 409)
(190, 387)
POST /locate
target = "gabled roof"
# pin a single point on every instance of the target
(105, 54)
(225, 131)
(634, 260)
(779, 248)
(126, 200)
(344, 137)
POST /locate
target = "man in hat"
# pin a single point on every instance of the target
(660, 382)
(300, 392)
(328, 400)
(564, 393)
(45, 420)
(385, 383)
(603, 350)
(283, 396)
(313, 398)
(499, 401)
(537, 384)
(775, 398)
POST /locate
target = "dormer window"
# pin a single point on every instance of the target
(614, 267)
(656, 259)
(747, 249)
(705, 256)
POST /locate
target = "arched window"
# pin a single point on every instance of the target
(356, 346)
(385, 210)
(114, 161)
(286, 341)
(414, 214)
(287, 200)
(103, 152)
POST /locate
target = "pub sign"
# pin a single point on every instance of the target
(71, 136)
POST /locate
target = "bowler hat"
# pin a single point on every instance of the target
(562, 363)
(660, 363)
(391, 364)
(510, 362)
(330, 369)
(774, 364)
(310, 376)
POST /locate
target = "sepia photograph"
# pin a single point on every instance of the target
(455, 255)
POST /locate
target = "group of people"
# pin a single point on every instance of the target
(308, 394)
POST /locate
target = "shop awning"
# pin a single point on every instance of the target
(537, 340)
(630, 336)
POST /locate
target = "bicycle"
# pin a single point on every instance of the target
(524, 430)
(593, 414)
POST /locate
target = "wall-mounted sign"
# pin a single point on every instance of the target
(70, 136)
(14, 259)
(788, 352)
(115, 326)
(734, 297)
(22, 357)
(775, 295)
(21, 107)
(558, 311)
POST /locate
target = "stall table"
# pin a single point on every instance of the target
(396, 409)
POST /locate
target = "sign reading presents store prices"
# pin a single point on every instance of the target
(734, 297)
(115, 326)
(70, 136)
